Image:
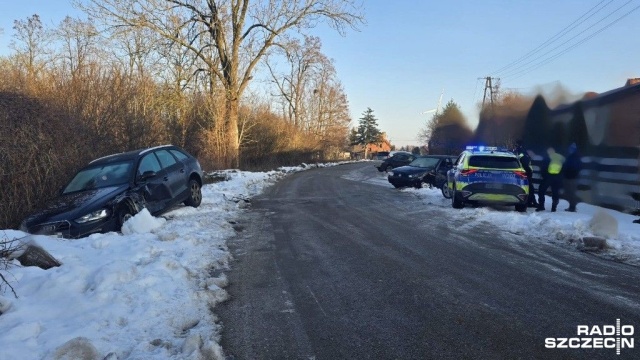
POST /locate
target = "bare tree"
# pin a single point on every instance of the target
(304, 60)
(330, 108)
(79, 41)
(447, 132)
(240, 32)
(312, 97)
(30, 43)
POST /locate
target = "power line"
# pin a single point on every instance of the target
(529, 87)
(557, 36)
(525, 71)
(521, 67)
(475, 92)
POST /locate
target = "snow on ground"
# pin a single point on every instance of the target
(148, 293)
(558, 227)
(144, 294)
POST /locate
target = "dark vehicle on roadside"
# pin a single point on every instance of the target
(381, 155)
(488, 175)
(111, 189)
(398, 158)
(427, 169)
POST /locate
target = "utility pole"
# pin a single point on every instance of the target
(493, 94)
(488, 85)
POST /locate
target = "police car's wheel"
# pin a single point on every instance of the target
(521, 208)
(455, 202)
(446, 192)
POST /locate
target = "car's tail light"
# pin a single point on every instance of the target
(468, 172)
(521, 174)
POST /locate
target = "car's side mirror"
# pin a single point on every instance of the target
(147, 175)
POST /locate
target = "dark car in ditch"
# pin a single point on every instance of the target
(109, 190)
(427, 169)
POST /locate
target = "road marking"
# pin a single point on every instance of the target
(317, 302)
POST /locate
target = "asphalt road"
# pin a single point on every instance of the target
(333, 268)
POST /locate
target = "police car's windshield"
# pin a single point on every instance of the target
(424, 162)
(494, 162)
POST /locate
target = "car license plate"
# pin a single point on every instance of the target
(493, 186)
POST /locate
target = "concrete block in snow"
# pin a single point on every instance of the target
(604, 225)
(594, 242)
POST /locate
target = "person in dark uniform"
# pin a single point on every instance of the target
(570, 170)
(551, 177)
(636, 197)
(525, 160)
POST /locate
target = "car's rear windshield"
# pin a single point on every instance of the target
(425, 162)
(100, 176)
(494, 162)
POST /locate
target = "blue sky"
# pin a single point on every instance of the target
(410, 50)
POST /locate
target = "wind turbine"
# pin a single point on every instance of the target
(437, 109)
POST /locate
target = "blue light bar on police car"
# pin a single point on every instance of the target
(481, 148)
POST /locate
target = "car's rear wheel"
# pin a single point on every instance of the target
(521, 207)
(195, 194)
(446, 192)
(456, 203)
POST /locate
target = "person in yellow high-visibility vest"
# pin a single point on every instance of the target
(551, 177)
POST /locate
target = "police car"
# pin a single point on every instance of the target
(492, 175)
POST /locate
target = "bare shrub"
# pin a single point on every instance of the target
(274, 142)
(39, 152)
(7, 247)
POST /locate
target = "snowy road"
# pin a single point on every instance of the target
(334, 264)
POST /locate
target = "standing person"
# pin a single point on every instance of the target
(571, 170)
(525, 160)
(551, 177)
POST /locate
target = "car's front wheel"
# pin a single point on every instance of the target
(521, 207)
(446, 192)
(195, 194)
(125, 212)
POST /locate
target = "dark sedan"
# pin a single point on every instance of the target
(398, 158)
(428, 169)
(111, 189)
